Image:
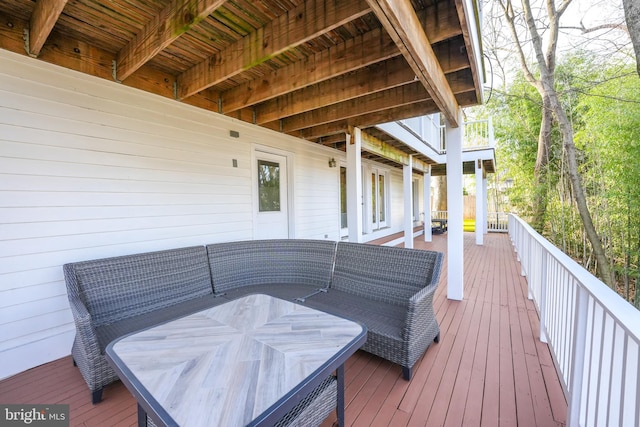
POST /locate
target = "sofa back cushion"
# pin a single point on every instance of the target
(263, 262)
(384, 273)
(117, 288)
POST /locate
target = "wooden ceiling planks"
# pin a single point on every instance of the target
(309, 68)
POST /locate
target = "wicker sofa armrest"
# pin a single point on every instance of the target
(85, 328)
(86, 352)
(84, 324)
(420, 313)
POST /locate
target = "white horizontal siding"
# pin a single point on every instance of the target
(90, 169)
(317, 197)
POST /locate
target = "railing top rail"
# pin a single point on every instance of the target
(626, 315)
(469, 122)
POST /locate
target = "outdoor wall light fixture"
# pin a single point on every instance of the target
(332, 162)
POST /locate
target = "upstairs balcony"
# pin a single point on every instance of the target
(426, 138)
(477, 134)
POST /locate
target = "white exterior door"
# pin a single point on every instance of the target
(272, 202)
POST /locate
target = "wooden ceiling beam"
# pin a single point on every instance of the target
(396, 96)
(401, 22)
(376, 146)
(43, 19)
(373, 145)
(353, 54)
(172, 22)
(463, 14)
(378, 101)
(440, 26)
(300, 25)
(333, 140)
(366, 81)
(377, 77)
(399, 113)
(440, 22)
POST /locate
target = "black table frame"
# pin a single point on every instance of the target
(148, 405)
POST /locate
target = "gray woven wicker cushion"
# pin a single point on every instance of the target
(379, 317)
(118, 288)
(383, 273)
(263, 262)
(285, 291)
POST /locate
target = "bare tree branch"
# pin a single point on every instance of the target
(632, 17)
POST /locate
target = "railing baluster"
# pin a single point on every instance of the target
(577, 359)
(543, 297)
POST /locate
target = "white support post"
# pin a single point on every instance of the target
(354, 185)
(455, 236)
(426, 182)
(407, 180)
(485, 202)
(480, 196)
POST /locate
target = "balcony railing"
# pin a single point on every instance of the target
(477, 134)
(497, 222)
(439, 214)
(593, 333)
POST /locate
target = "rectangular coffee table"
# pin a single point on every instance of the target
(245, 362)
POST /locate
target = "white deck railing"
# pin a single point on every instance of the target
(497, 222)
(592, 332)
(439, 214)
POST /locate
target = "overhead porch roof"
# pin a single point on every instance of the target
(311, 69)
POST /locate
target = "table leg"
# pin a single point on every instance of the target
(142, 417)
(340, 403)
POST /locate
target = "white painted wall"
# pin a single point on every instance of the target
(90, 168)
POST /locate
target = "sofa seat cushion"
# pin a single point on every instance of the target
(384, 321)
(110, 332)
(285, 291)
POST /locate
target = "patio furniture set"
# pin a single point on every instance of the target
(439, 225)
(388, 290)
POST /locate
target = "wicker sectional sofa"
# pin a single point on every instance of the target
(389, 290)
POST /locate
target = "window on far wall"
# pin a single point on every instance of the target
(268, 186)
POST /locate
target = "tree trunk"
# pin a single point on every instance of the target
(440, 196)
(576, 183)
(545, 84)
(632, 16)
(540, 173)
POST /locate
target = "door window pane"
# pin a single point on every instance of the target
(268, 186)
(343, 197)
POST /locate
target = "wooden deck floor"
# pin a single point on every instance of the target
(489, 368)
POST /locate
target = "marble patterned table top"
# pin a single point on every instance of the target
(228, 364)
